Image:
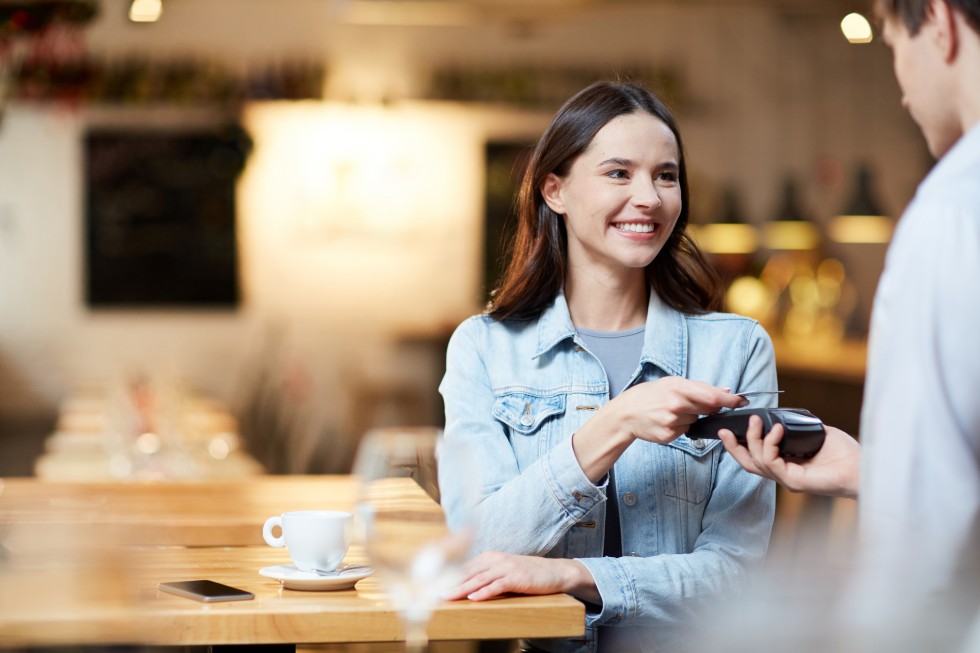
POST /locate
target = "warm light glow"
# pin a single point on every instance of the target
(363, 173)
(856, 28)
(791, 234)
(725, 237)
(750, 297)
(361, 209)
(145, 11)
(120, 466)
(218, 448)
(860, 229)
(148, 443)
(409, 13)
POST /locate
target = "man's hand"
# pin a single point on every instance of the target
(834, 470)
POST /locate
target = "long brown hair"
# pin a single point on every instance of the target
(537, 265)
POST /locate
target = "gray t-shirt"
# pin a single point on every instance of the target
(619, 353)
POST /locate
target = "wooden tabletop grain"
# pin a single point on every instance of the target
(80, 564)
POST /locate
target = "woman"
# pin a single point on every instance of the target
(598, 349)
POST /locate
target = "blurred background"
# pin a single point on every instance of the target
(278, 210)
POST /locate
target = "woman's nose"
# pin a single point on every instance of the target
(645, 194)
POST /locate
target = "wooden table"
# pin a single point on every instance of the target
(115, 601)
(203, 513)
(61, 583)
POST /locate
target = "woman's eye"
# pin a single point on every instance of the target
(619, 173)
(668, 176)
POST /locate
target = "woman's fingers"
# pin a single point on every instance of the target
(495, 588)
(476, 574)
(480, 587)
(687, 397)
(462, 590)
(493, 573)
(664, 409)
(484, 585)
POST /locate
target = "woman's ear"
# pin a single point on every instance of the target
(551, 193)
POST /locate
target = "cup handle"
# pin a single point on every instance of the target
(267, 535)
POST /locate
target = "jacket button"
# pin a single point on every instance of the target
(699, 443)
(527, 420)
(633, 554)
(584, 501)
(629, 499)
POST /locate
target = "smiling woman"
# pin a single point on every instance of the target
(637, 195)
(599, 349)
(537, 265)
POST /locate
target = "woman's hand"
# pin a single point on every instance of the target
(492, 573)
(656, 411)
(662, 410)
(835, 470)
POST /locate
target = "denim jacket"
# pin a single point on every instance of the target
(692, 520)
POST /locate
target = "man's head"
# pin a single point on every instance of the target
(936, 49)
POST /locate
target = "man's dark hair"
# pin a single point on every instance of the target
(913, 12)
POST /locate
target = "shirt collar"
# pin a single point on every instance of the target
(664, 337)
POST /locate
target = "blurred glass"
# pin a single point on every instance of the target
(404, 532)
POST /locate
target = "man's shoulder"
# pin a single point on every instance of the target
(959, 187)
(955, 180)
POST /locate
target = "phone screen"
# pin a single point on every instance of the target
(205, 590)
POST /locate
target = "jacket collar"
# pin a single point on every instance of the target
(664, 338)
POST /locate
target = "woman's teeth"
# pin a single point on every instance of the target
(644, 228)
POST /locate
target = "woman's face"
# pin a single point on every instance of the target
(621, 197)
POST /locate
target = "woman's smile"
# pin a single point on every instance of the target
(636, 229)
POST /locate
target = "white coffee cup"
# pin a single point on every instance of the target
(315, 539)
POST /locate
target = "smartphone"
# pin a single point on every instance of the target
(205, 590)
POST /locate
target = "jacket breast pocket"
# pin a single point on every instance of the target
(688, 469)
(528, 417)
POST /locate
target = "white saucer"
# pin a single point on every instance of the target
(294, 579)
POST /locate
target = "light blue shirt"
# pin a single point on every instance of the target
(920, 423)
(693, 521)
